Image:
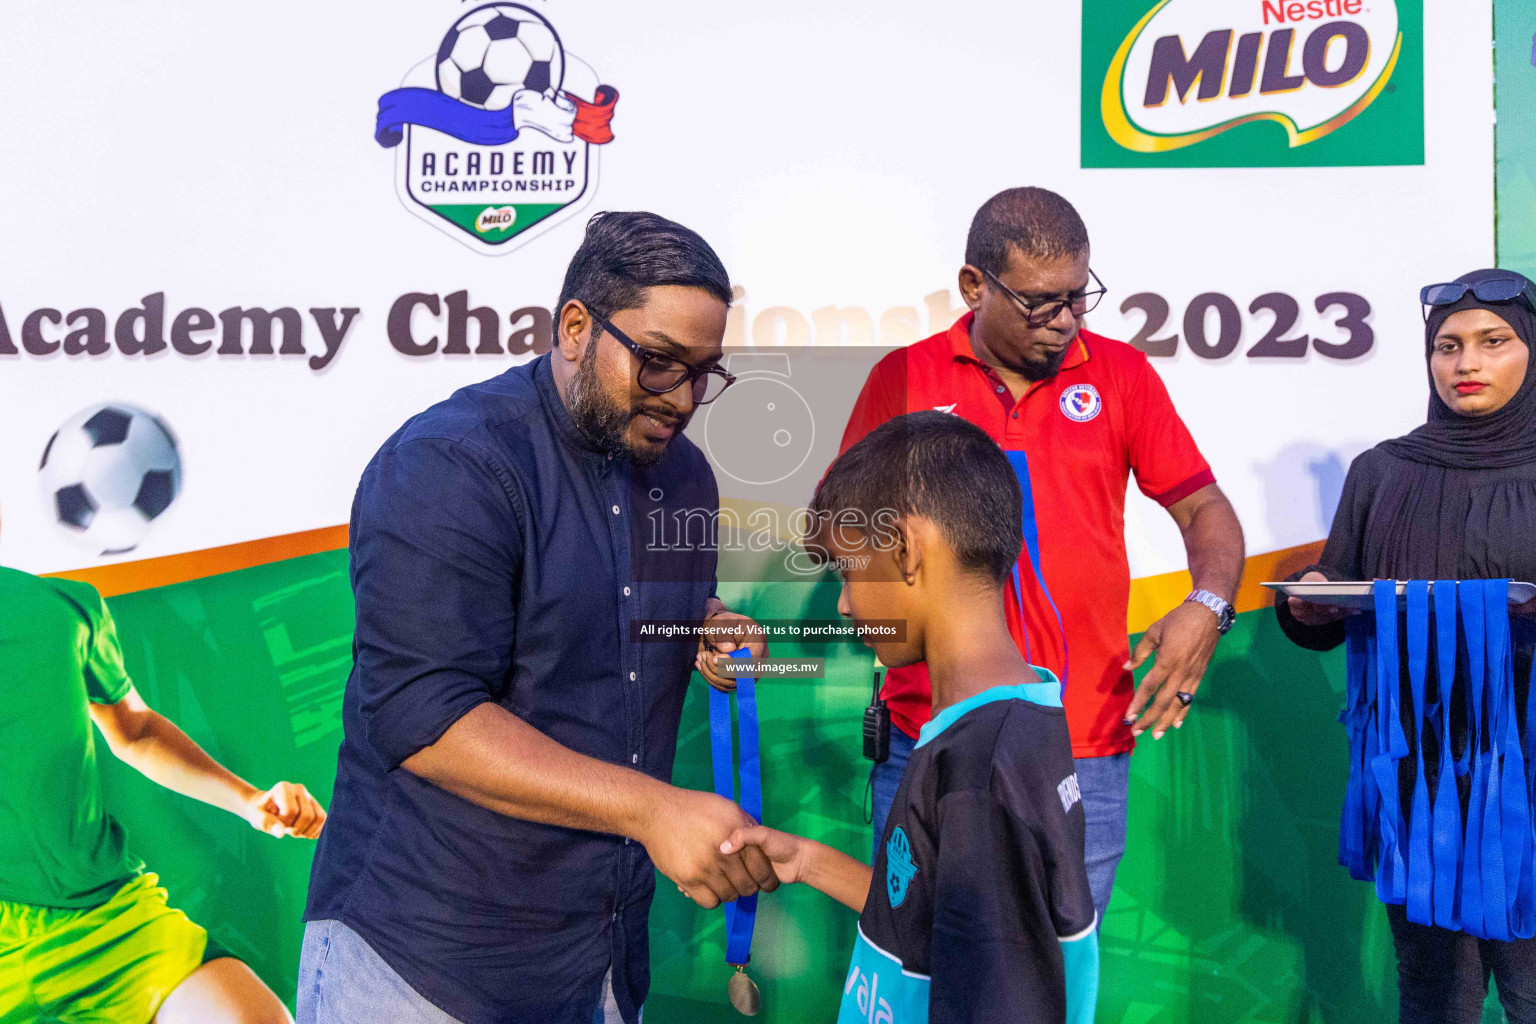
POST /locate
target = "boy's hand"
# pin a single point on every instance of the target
(287, 809)
(683, 839)
(787, 853)
(796, 859)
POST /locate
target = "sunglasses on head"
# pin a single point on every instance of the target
(1505, 287)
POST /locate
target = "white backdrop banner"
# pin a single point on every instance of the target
(274, 234)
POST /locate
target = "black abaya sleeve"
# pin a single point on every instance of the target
(1341, 558)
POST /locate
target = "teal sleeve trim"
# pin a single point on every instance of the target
(1081, 957)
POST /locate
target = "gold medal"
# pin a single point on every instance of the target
(743, 992)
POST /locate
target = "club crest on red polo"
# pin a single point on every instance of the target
(497, 133)
(1081, 402)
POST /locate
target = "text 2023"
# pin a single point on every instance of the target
(1347, 312)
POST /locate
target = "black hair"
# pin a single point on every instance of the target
(626, 252)
(1035, 221)
(941, 467)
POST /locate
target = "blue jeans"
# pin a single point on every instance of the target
(887, 778)
(1105, 784)
(343, 981)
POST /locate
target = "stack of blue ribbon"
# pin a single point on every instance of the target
(1466, 868)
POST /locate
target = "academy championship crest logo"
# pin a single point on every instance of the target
(900, 868)
(1217, 83)
(497, 134)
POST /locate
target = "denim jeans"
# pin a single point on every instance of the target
(343, 981)
(887, 777)
(1105, 785)
(1442, 976)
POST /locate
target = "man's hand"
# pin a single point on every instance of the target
(287, 809)
(684, 838)
(1184, 640)
(724, 632)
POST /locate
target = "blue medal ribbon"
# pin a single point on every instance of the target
(1497, 682)
(1474, 629)
(1392, 747)
(1420, 901)
(1519, 850)
(1357, 830)
(1020, 463)
(1446, 816)
(741, 914)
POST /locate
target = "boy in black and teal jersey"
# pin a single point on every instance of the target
(977, 908)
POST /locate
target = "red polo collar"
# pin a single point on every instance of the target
(960, 346)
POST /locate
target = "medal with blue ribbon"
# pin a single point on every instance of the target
(740, 914)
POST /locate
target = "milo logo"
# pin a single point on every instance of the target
(495, 218)
(1289, 73)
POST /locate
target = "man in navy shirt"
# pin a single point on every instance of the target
(502, 788)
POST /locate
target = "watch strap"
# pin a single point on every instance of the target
(1222, 609)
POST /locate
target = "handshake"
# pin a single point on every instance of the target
(715, 852)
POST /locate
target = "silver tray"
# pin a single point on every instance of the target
(1361, 593)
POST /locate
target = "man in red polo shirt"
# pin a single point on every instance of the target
(1086, 411)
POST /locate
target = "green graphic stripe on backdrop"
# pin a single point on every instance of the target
(1514, 26)
(1229, 905)
(528, 214)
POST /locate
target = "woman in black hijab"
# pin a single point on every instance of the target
(1453, 499)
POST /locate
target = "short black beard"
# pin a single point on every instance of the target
(602, 422)
(1043, 369)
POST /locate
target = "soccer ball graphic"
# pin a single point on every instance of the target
(496, 50)
(108, 473)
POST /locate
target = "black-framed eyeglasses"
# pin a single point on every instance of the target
(1038, 314)
(660, 374)
(1505, 286)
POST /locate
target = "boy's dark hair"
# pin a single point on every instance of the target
(938, 466)
(624, 253)
(1035, 221)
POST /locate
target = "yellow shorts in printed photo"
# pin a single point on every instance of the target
(111, 964)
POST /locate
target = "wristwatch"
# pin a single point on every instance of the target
(1225, 616)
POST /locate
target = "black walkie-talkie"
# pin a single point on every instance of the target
(877, 725)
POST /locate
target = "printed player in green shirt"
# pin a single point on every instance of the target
(86, 935)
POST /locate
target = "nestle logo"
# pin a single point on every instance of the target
(1303, 10)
